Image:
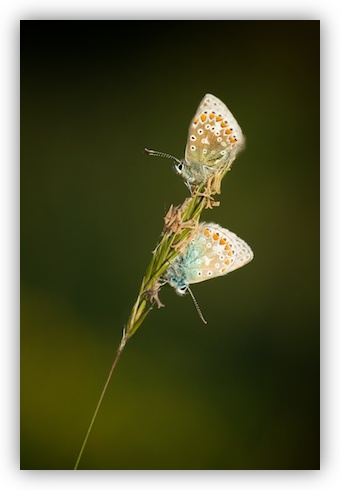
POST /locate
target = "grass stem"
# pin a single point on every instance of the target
(180, 222)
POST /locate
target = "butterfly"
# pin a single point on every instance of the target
(214, 139)
(213, 252)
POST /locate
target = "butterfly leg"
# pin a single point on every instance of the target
(153, 294)
(208, 192)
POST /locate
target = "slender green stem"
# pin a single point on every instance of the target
(166, 251)
(119, 351)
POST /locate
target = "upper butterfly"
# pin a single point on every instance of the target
(214, 139)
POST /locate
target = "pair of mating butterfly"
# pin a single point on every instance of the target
(213, 141)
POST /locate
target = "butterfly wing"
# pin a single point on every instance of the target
(215, 252)
(214, 138)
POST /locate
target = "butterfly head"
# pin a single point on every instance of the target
(183, 169)
(180, 167)
(181, 290)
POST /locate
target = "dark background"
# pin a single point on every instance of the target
(241, 392)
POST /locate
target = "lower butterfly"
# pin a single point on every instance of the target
(213, 252)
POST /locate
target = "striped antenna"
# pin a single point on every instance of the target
(154, 153)
(197, 307)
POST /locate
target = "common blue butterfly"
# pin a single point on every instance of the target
(214, 139)
(214, 251)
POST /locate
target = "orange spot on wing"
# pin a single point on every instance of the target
(227, 247)
(232, 139)
(228, 131)
(206, 232)
(218, 118)
(203, 117)
(230, 253)
(196, 121)
(211, 116)
(215, 236)
(223, 270)
(224, 124)
(222, 241)
(227, 262)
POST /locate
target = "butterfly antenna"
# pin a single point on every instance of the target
(154, 153)
(197, 307)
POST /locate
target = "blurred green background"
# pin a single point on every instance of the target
(241, 392)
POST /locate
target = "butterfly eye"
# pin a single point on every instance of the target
(179, 167)
(182, 289)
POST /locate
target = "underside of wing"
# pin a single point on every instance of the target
(216, 252)
(214, 136)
